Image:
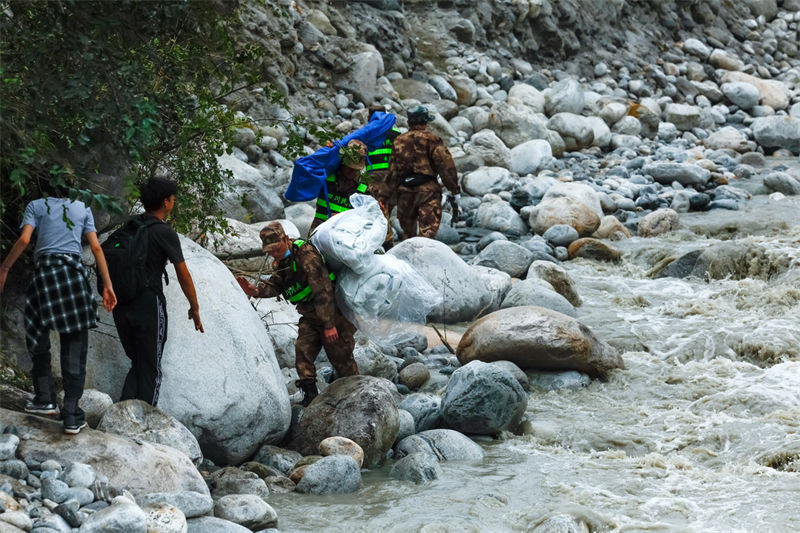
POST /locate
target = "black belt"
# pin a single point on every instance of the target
(415, 180)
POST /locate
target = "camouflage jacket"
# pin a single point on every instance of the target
(304, 267)
(420, 151)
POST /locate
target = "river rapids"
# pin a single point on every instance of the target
(700, 433)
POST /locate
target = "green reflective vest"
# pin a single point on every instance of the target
(298, 289)
(338, 202)
(379, 159)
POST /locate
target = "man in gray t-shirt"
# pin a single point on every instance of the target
(59, 297)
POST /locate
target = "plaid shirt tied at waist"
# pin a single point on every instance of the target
(59, 297)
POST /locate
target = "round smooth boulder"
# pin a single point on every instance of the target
(537, 338)
(536, 292)
(164, 518)
(361, 408)
(417, 468)
(589, 248)
(414, 375)
(246, 510)
(444, 444)
(335, 474)
(136, 419)
(126, 517)
(496, 214)
(505, 256)
(487, 180)
(342, 446)
(659, 221)
(553, 211)
(424, 408)
(778, 132)
(530, 157)
(483, 399)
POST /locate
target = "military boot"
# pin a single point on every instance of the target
(310, 392)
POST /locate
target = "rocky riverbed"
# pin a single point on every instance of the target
(623, 279)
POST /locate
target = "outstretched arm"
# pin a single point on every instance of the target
(16, 250)
(109, 298)
(187, 286)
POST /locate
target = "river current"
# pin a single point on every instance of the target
(700, 433)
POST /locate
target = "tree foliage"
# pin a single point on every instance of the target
(131, 88)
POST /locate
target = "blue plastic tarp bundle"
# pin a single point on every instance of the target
(310, 171)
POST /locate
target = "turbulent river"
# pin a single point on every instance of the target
(701, 432)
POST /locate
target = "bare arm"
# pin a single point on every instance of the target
(109, 298)
(16, 250)
(187, 286)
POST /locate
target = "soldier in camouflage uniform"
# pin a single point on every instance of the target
(302, 278)
(343, 183)
(417, 157)
(378, 169)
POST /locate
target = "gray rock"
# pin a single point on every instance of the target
(414, 375)
(8, 446)
(687, 174)
(560, 235)
(537, 292)
(15, 521)
(667, 132)
(574, 129)
(489, 147)
(55, 490)
(138, 420)
(444, 444)
(82, 495)
(527, 95)
(14, 468)
(79, 475)
(164, 518)
(279, 458)
(243, 137)
(516, 124)
(534, 337)
(127, 517)
(487, 180)
(483, 399)
(424, 409)
(216, 371)
(571, 379)
(505, 256)
(782, 182)
(210, 524)
(406, 425)
(191, 504)
(557, 277)
(778, 132)
(515, 371)
(360, 408)
(696, 48)
(417, 468)
(372, 361)
(600, 131)
(498, 215)
(564, 97)
(660, 221)
(530, 156)
(442, 87)
(684, 117)
(231, 480)
(612, 112)
(335, 474)
(627, 125)
(246, 510)
(741, 94)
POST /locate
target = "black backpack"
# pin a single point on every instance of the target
(125, 251)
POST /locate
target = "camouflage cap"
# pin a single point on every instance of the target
(271, 234)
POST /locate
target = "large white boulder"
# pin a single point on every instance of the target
(516, 124)
(564, 97)
(466, 291)
(486, 180)
(531, 156)
(774, 93)
(489, 147)
(576, 192)
(576, 131)
(527, 95)
(778, 132)
(140, 467)
(224, 385)
(498, 215)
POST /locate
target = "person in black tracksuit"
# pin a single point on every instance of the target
(142, 322)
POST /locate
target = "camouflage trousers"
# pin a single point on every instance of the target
(310, 339)
(420, 206)
(387, 212)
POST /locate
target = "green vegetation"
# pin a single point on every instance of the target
(125, 88)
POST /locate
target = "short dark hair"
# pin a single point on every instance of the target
(154, 191)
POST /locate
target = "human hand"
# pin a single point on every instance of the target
(109, 299)
(247, 287)
(194, 314)
(331, 334)
(453, 200)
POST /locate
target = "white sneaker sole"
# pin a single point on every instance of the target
(74, 430)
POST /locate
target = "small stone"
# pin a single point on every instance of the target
(79, 475)
(14, 468)
(417, 467)
(55, 490)
(414, 375)
(8, 446)
(342, 446)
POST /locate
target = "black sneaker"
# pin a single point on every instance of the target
(74, 427)
(38, 408)
(309, 393)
